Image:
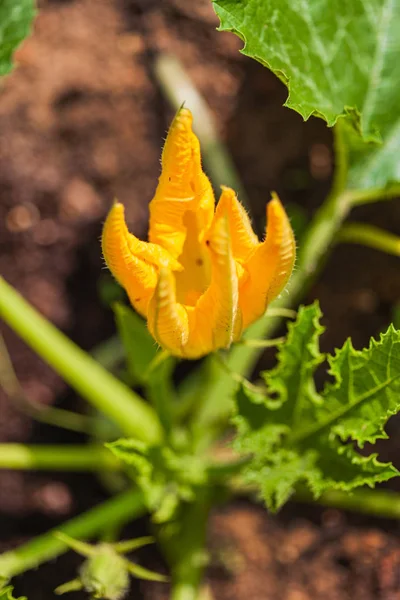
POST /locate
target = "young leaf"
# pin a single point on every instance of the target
(15, 22)
(165, 477)
(6, 593)
(296, 435)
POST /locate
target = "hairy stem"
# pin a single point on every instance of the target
(57, 458)
(116, 511)
(79, 369)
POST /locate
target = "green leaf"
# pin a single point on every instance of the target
(373, 165)
(139, 346)
(6, 593)
(165, 477)
(337, 58)
(296, 435)
(16, 18)
(148, 366)
(366, 389)
(292, 380)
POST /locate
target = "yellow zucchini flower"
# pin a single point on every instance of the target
(203, 277)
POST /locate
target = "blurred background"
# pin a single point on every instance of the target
(82, 120)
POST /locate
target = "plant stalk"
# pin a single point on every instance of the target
(79, 369)
(378, 503)
(115, 511)
(57, 458)
(185, 548)
(370, 236)
(384, 504)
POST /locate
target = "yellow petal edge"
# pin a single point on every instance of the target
(203, 277)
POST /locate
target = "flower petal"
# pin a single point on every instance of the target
(167, 319)
(133, 263)
(182, 186)
(243, 238)
(270, 266)
(215, 321)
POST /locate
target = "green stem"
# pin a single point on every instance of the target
(360, 197)
(45, 414)
(116, 511)
(79, 369)
(379, 503)
(368, 235)
(384, 504)
(271, 343)
(57, 457)
(185, 548)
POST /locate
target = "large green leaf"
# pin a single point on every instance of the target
(15, 22)
(295, 434)
(337, 59)
(373, 165)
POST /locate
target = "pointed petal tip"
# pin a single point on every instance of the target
(183, 119)
(116, 211)
(228, 190)
(244, 240)
(274, 259)
(275, 204)
(274, 196)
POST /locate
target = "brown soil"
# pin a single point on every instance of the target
(82, 120)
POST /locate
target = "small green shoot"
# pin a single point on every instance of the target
(105, 572)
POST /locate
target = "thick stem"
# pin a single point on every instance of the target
(185, 548)
(79, 369)
(57, 458)
(116, 511)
